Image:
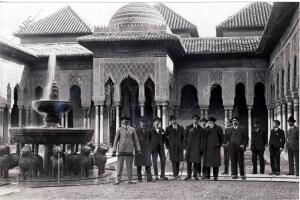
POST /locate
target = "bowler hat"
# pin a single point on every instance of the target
(236, 118)
(157, 119)
(173, 117)
(203, 119)
(277, 122)
(125, 116)
(291, 119)
(196, 116)
(213, 119)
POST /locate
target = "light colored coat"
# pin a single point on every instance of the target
(126, 141)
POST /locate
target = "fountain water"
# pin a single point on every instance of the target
(51, 133)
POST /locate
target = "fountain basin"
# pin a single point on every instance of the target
(30, 135)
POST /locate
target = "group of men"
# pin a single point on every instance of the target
(202, 141)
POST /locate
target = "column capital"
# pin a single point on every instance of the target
(162, 103)
(228, 107)
(99, 103)
(117, 103)
(249, 107)
(204, 107)
(142, 102)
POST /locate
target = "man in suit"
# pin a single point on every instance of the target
(212, 149)
(276, 145)
(126, 141)
(226, 146)
(175, 142)
(194, 147)
(292, 144)
(259, 139)
(143, 159)
(158, 148)
(238, 141)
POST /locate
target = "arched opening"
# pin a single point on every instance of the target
(38, 118)
(15, 111)
(149, 101)
(75, 115)
(129, 100)
(240, 107)
(189, 104)
(216, 107)
(260, 110)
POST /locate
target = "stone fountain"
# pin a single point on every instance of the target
(51, 133)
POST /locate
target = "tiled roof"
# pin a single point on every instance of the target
(7, 44)
(254, 15)
(174, 20)
(64, 21)
(221, 45)
(59, 49)
(106, 37)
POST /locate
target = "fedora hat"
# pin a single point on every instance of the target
(291, 119)
(125, 116)
(157, 119)
(196, 116)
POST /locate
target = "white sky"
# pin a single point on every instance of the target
(205, 15)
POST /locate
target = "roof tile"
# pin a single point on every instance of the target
(64, 21)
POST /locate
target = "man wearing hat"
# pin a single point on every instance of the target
(212, 148)
(175, 142)
(126, 141)
(203, 124)
(158, 148)
(194, 147)
(143, 159)
(259, 139)
(276, 145)
(226, 148)
(238, 141)
(292, 144)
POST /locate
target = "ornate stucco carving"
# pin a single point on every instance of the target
(240, 77)
(259, 76)
(216, 77)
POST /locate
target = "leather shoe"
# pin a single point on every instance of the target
(196, 178)
(277, 173)
(272, 173)
(164, 178)
(187, 178)
(244, 177)
(224, 173)
(289, 174)
(215, 178)
(131, 182)
(116, 182)
(234, 176)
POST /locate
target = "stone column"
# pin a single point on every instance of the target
(230, 113)
(20, 108)
(84, 118)
(66, 120)
(226, 115)
(27, 111)
(142, 104)
(289, 108)
(101, 124)
(88, 119)
(279, 114)
(158, 111)
(96, 125)
(62, 120)
(283, 106)
(8, 122)
(164, 117)
(202, 113)
(117, 116)
(206, 113)
(296, 111)
(249, 122)
(1, 125)
(269, 121)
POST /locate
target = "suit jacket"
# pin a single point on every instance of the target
(194, 143)
(292, 138)
(126, 141)
(259, 139)
(143, 159)
(277, 138)
(238, 136)
(157, 139)
(175, 142)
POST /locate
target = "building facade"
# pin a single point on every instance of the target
(151, 61)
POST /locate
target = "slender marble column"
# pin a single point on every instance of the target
(283, 105)
(96, 125)
(1, 125)
(164, 117)
(117, 117)
(249, 122)
(269, 121)
(20, 108)
(101, 125)
(279, 114)
(296, 111)
(159, 111)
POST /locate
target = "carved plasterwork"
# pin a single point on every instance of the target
(189, 78)
(138, 71)
(259, 76)
(216, 77)
(240, 77)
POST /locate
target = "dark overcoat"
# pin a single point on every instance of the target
(259, 139)
(175, 142)
(292, 138)
(143, 159)
(213, 141)
(194, 143)
(157, 139)
(277, 138)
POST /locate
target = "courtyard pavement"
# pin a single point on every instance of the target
(255, 187)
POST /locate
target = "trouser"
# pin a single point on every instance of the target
(226, 159)
(162, 157)
(120, 162)
(275, 159)
(237, 158)
(195, 169)
(175, 167)
(293, 155)
(207, 171)
(260, 154)
(148, 172)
